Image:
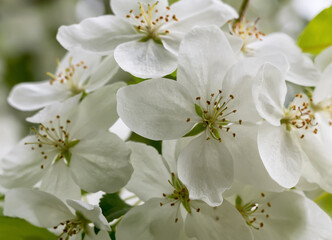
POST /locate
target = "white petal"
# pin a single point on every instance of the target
(39, 208)
(21, 167)
(211, 47)
(171, 150)
(323, 90)
(100, 34)
(121, 8)
(58, 181)
(145, 59)
(97, 111)
(102, 235)
(248, 166)
(206, 168)
(269, 92)
(155, 222)
(219, 223)
(101, 162)
(32, 96)
(103, 73)
(63, 109)
(90, 212)
(235, 42)
(280, 153)
(200, 13)
(157, 109)
(150, 176)
(302, 70)
(324, 59)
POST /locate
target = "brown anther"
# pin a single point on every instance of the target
(267, 216)
(208, 102)
(212, 94)
(188, 119)
(167, 32)
(32, 148)
(55, 227)
(176, 220)
(208, 138)
(198, 210)
(261, 224)
(234, 135)
(315, 131)
(172, 204)
(42, 166)
(219, 139)
(161, 204)
(39, 145)
(302, 136)
(240, 122)
(57, 116)
(45, 157)
(269, 204)
(168, 8)
(263, 210)
(227, 129)
(85, 66)
(234, 111)
(262, 194)
(198, 98)
(231, 96)
(217, 218)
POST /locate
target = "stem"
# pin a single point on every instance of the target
(243, 10)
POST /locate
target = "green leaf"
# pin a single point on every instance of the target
(19, 229)
(172, 1)
(325, 202)
(172, 75)
(113, 206)
(199, 127)
(198, 110)
(318, 34)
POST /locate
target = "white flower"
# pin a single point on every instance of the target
(168, 211)
(324, 59)
(211, 97)
(144, 34)
(76, 73)
(45, 210)
(280, 134)
(72, 149)
(274, 216)
(249, 41)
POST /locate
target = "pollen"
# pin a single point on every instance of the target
(151, 20)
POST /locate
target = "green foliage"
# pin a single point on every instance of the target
(137, 138)
(172, 1)
(325, 202)
(318, 34)
(19, 229)
(113, 206)
(199, 127)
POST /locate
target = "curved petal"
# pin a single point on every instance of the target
(150, 176)
(97, 111)
(324, 59)
(302, 70)
(269, 92)
(223, 222)
(200, 13)
(204, 58)
(39, 208)
(157, 109)
(102, 74)
(21, 167)
(90, 212)
(155, 222)
(121, 8)
(323, 90)
(32, 96)
(145, 59)
(206, 168)
(58, 181)
(248, 165)
(101, 162)
(99, 34)
(280, 153)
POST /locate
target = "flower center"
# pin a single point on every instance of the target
(179, 196)
(299, 115)
(214, 113)
(247, 31)
(254, 212)
(51, 137)
(150, 20)
(69, 77)
(72, 227)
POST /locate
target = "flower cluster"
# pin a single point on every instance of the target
(245, 129)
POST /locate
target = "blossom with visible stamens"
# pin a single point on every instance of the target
(72, 148)
(76, 73)
(281, 135)
(289, 214)
(209, 100)
(144, 34)
(168, 211)
(46, 210)
(248, 41)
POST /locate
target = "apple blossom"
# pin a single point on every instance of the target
(144, 35)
